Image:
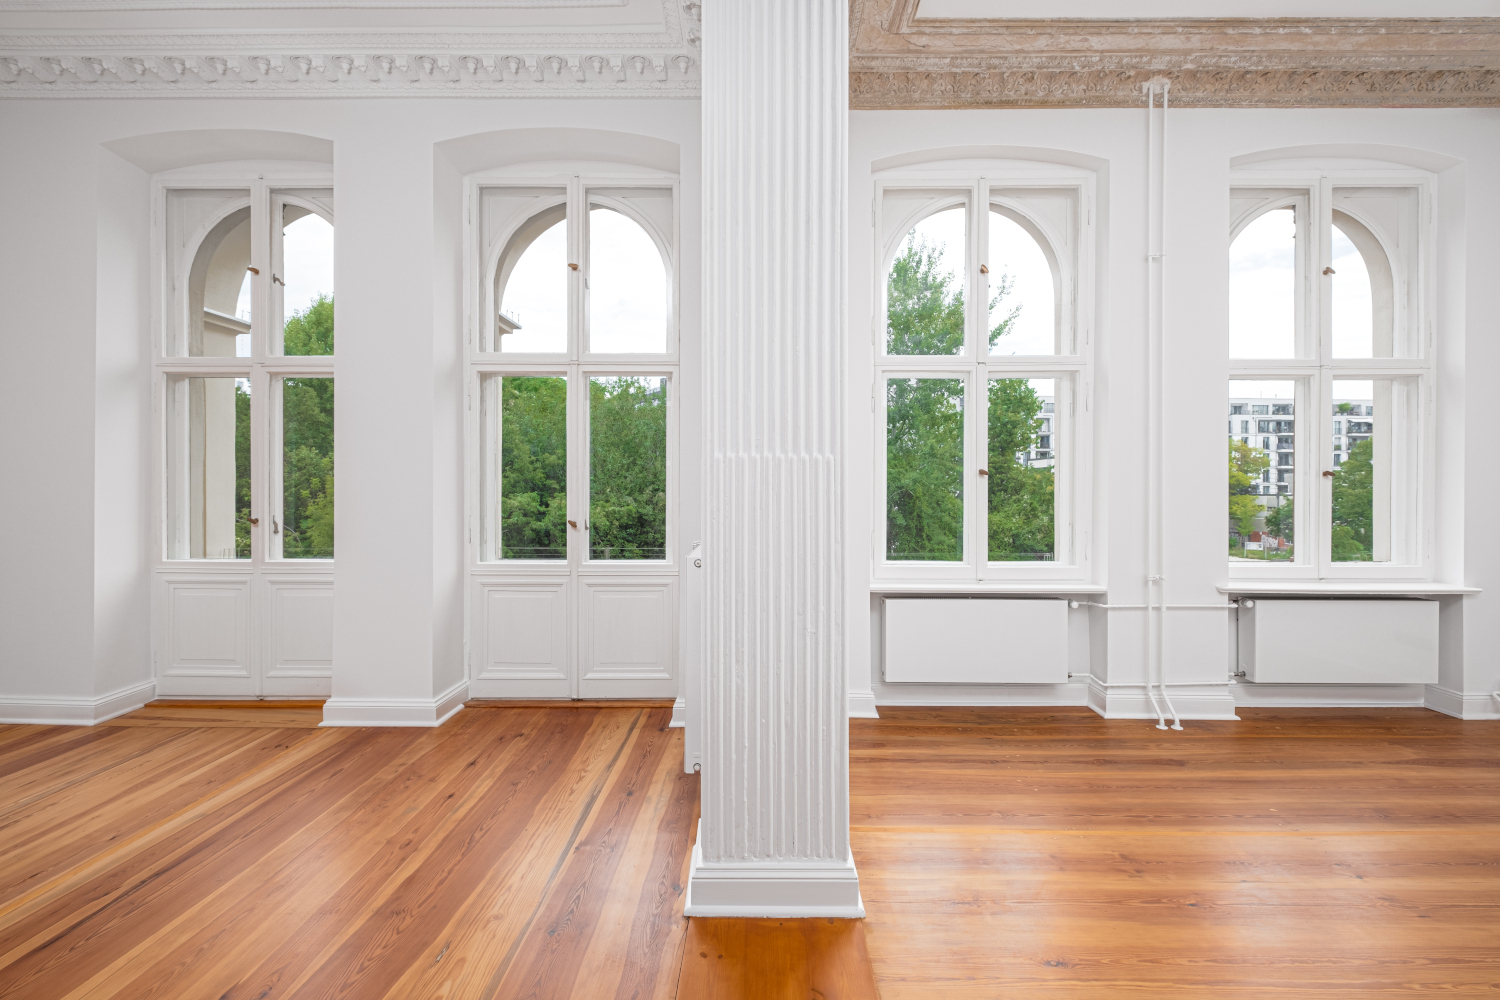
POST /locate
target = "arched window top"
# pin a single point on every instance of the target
(925, 285)
(1263, 286)
(1024, 286)
(601, 286)
(1363, 291)
(218, 289)
(531, 286)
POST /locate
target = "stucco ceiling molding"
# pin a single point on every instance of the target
(371, 64)
(897, 61)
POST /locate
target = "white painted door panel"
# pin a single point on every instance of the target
(523, 642)
(629, 639)
(207, 631)
(301, 638)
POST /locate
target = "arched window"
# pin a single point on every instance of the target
(1323, 445)
(979, 376)
(1263, 287)
(626, 284)
(532, 287)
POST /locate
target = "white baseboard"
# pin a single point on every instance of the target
(1074, 693)
(64, 711)
(784, 891)
(1207, 702)
(862, 705)
(396, 711)
(679, 714)
(1251, 695)
(1460, 705)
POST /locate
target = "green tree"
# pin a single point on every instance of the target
(307, 440)
(628, 468)
(924, 427)
(1354, 506)
(241, 471)
(1245, 467)
(310, 332)
(533, 467)
(1281, 520)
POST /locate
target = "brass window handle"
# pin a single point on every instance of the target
(572, 523)
(254, 520)
(984, 472)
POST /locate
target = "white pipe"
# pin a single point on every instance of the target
(1137, 607)
(1151, 390)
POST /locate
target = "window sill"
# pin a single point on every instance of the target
(1345, 587)
(960, 588)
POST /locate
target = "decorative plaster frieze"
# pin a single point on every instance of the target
(376, 63)
(350, 74)
(897, 61)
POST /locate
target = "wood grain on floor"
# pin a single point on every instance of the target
(1025, 853)
(733, 959)
(509, 853)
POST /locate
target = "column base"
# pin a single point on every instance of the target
(769, 890)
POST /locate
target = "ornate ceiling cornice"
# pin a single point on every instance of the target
(900, 61)
(364, 63)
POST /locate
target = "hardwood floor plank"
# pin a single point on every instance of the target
(1050, 853)
(744, 959)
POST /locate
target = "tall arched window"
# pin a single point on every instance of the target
(1327, 378)
(574, 369)
(982, 366)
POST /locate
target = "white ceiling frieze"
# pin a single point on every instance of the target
(899, 61)
(380, 63)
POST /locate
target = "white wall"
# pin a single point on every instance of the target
(1200, 145)
(75, 399)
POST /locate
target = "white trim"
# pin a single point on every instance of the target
(1483, 705)
(26, 710)
(862, 705)
(679, 714)
(1248, 694)
(770, 890)
(1331, 587)
(1205, 702)
(396, 711)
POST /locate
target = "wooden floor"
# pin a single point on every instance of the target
(1020, 853)
(225, 851)
(193, 852)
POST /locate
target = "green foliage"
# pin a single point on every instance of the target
(310, 332)
(533, 467)
(1021, 499)
(1245, 466)
(1354, 506)
(307, 468)
(924, 428)
(628, 468)
(924, 468)
(241, 472)
(1282, 519)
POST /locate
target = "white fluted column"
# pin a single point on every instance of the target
(774, 838)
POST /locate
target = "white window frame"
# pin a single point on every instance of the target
(1315, 369)
(1071, 247)
(265, 369)
(577, 363)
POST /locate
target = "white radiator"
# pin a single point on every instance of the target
(1339, 642)
(975, 641)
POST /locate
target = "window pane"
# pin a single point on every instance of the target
(208, 465)
(1373, 470)
(1262, 467)
(924, 468)
(219, 291)
(925, 288)
(306, 468)
(1023, 435)
(1023, 310)
(530, 520)
(1263, 288)
(534, 290)
(627, 286)
(307, 276)
(628, 467)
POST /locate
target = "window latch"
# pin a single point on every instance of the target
(573, 266)
(984, 472)
(253, 270)
(254, 520)
(984, 269)
(275, 526)
(277, 278)
(1328, 473)
(1329, 270)
(572, 523)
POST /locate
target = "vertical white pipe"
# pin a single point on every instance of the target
(1160, 403)
(1152, 391)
